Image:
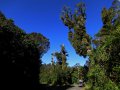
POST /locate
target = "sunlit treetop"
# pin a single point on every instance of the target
(75, 22)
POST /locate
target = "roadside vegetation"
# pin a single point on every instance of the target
(21, 53)
(103, 66)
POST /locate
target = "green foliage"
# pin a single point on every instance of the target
(77, 73)
(58, 56)
(77, 35)
(37, 40)
(99, 81)
(20, 55)
(103, 71)
(85, 70)
(61, 57)
(74, 76)
(58, 72)
(55, 75)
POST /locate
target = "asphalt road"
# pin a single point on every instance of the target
(75, 87)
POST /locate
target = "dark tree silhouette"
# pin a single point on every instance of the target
(20, 55)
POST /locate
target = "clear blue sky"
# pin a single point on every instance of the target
(43, 16)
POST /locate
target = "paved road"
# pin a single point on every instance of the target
(75, 87)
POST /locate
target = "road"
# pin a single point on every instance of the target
(75, 87)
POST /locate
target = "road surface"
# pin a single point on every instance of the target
(75, 87)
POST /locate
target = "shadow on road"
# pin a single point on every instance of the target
(46, 87)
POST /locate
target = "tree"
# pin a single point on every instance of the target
(104, 58)
(20, 55)
(58, 72)
(77, 35)
(61, 57)
(104, 65)
(64, 57)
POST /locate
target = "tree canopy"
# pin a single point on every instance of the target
(77, 34)
(103, 64)
(20, 55)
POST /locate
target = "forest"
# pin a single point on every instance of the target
(21, 53)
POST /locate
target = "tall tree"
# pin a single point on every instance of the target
(20, 55)
(77, 35)
(104, 58)
(61, 57)
(64, 57)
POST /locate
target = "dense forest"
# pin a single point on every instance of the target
(21, 53)
(103, 67)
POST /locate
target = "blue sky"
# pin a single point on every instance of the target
(43, 16)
